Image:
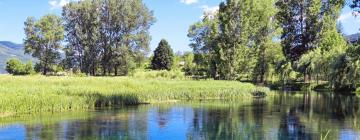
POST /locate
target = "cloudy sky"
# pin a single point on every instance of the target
(173, 18)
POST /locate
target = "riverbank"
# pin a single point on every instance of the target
(31, 94)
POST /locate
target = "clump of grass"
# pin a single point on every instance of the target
(260, 92)
(30, 94)
(164, 74)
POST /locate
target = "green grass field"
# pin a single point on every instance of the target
(31, 94)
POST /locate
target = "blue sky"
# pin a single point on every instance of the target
(173, 18)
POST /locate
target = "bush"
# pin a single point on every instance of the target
(16, 67)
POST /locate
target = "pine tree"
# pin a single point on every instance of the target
(163, 56)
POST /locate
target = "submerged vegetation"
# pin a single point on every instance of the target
(46, 94)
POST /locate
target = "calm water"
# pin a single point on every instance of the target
(285, 116)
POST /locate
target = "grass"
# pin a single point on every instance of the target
(31, 94)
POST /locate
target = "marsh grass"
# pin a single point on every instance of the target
(31, 94)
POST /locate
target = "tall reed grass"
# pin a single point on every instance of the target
(30, 94)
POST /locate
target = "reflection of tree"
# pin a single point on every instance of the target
(42, 131)
(163, 116)
(287, 116)
(233, 122)
(292, 128)
(122, 124)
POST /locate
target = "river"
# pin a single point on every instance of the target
(283, 116)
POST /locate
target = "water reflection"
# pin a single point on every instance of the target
(285, 116)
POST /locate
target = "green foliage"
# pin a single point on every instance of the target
(188, 63)
(16, 67)
(163, 56)
(43, 40)
(163, 74)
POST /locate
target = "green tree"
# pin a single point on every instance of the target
(43, 40)
(107, 35)
(203, 36)
(82, 27)
(163, 56)
(233, 38)
(263, 30)
(299, 21)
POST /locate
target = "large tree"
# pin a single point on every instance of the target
(107, 35)
(203, 36)
(263, 30)
(163, 56)
(233, 38)
(43, 40)
(82, 26)
(300, 23)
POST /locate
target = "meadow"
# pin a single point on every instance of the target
(31, 94)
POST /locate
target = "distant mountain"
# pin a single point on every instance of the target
(353, 38)
(10, 50)
(11, 45)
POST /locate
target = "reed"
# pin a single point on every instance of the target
(29, 94)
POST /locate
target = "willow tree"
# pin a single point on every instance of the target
(43, 40)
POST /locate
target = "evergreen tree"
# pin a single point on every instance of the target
(163, 56)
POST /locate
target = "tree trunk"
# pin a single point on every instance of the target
(306, 77)
(116, 70)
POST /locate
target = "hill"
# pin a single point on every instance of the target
(11, 50)
(353, 38)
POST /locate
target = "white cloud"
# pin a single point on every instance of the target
(348, 17)
(55, 4)
(344, 17)
(188, 2)
(209, 11)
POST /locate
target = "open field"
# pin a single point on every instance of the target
(31, 94)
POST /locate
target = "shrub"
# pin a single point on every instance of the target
(16, 67)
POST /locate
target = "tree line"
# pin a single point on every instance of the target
(276, 41)
(96, 37)
(253, 40)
